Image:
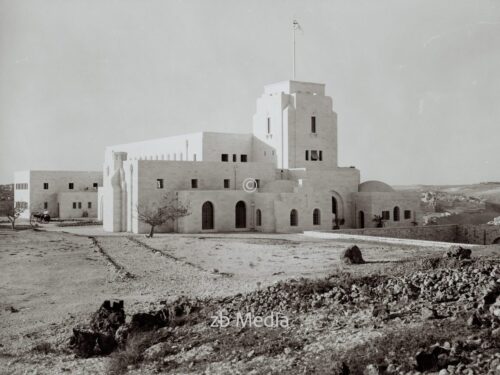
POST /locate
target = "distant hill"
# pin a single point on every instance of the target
(489, 191)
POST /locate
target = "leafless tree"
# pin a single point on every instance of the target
(12, 213)
(169, 209)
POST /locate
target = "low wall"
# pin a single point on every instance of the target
(441, 233)
(473, 234)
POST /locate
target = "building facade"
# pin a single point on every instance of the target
(282, 177)
(63, 194)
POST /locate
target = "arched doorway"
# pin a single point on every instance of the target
(316, 217)
(496, 241)
(361, 219)
(258, 218)
(335, 208)
(240, 214)
(207, 215)
(396, 213)
(294, 218)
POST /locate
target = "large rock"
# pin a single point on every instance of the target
(352, 255)
(458, 252)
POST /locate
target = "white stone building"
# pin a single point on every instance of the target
(63, 194)
(291, 155)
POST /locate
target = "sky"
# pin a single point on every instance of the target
(416, 84)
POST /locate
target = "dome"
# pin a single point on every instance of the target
(375, 187)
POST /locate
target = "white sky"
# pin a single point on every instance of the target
(416, 84)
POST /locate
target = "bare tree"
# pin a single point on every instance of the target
(13, 214)
(169, 209)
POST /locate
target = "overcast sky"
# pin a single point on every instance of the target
(416, 84)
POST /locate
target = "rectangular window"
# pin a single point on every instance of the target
(313, 124)
(314, 155)
(194, 183)
(224, 157)
(21, 204)
(407, 214)
(269, 125)
(71, 185)
(257, 183)
(235, 158)
(243, 158)
(45, 205)
(89, 205)
(159, 183)
(321, 155)
(227, 184)
(80, 205)
(45, 186)
(74, 205)
(307, 154)
(386, 215)
(95, 185)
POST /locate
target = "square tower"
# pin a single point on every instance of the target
(295, 124)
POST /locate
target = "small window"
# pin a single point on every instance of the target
(194, 183)
(386, 215)
(89, 205)
(314, 155)
(80, 205)
(45, 186)
(320, 155)
(407, 214)
(307, 154)
(243, 158)
(159, 183)
(235, 158)
(95, 185)
(45, 205)
(269, 125)
(71, 186)
(224, 157)
(227, 183)
(313, 124)
(257, 183)
(74, 205)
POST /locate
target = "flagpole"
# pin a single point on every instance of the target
(293, 60)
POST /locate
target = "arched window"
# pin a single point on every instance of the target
(240, 215)
(258, 218)
(294, 218)
(316, 216)
(396, 213)
(207, 215)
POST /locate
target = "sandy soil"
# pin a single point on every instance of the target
(50, 281)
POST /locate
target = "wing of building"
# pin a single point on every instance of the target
(282, 177)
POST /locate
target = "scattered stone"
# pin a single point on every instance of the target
(154, 352)
(352, 255)
(428, 313)
(474, 321)
(13, 309)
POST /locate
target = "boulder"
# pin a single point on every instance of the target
(109, 317)
(458, 252)
(352, 255)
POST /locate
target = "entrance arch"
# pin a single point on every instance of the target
(207, 215)
(240, 215)
(496, 241)
(361, 219)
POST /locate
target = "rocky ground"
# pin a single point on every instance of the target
(414, 313)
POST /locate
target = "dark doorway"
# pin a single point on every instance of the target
(335, 207)
(241, 215)
(396, 213)
(361, 219)
(258, 218)
(207, 215)
(294, 218)
(497, 241)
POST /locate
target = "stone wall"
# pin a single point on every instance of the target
(443, 233)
